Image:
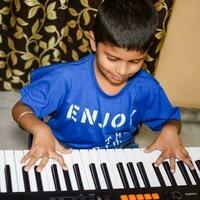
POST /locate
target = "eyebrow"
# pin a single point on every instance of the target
(137, 59)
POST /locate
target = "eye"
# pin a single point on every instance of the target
(112, 59)
(135, 61)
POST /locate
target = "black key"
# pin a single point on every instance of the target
(122, 174)
(143, 174)
(38, 180)
(55, 177)
(184, 172)
(67, 180)
(133, 174)
(8, 178)
(159, 175)
(195, 176)
(198, 164)
(95, 176)
(169, 174)
(27, 186)
(78, 176)
(106, 175)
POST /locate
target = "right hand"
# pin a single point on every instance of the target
(44, 146)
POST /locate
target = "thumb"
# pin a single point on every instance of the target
(62, 149)
(150, 148)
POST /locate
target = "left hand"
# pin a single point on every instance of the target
(171, 147)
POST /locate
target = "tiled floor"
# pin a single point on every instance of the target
(12, 137)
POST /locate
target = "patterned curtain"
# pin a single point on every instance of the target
(36, 33)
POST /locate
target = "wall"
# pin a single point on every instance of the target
(178, 68)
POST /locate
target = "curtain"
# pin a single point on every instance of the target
(36, 33)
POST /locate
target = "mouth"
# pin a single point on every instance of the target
(118, 78)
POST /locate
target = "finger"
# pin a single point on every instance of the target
(64, 150)
(59, 159)
(42, 164)
(160, 159)
(30, 163)
(188, 162)
(26, 157)
(150, 148)
(172, 163)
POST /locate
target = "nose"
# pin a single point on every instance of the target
(122, 69)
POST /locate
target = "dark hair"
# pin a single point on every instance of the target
(129, 24)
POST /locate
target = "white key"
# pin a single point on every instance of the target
(18, 156)
(61, 176)
(31, 176)
(113, 162)
(104, 159)
(86, 162)
(152, 177)
(154, 155)
(43, 175)
(68, 162)
(195, 156)
(94, 157)
(130, 157)
(76, 159)
(120, 155)
(50, 175)
(2, 173)
(9, 160)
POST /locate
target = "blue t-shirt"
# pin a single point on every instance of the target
(84, 116)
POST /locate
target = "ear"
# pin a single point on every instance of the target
(92, 41)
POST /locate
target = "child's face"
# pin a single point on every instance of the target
(116, 65)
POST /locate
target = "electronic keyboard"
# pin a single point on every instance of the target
(124, 174)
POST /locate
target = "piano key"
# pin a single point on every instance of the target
(18, 154)
(198, 164)
(195, 176)
(113, 163)
(106, 175)
(2, 172)
(50, 175)
(169, 174)
(9, 160)
(145, 158)
(143, 174)
(120, 156)
(122, 173)
(26, 180)
(104, 159)
(86, 162)
(43, 174)
(76, 159)
(55, 177)
(133, 174)
(130, 157)
(67, 180)
(68, 162)
(94, 157)
(184, 172)
(38, 180)
(8, 178)
(32, 179)
(95, 176)
(195, 156)
(189, 174)
(78, 176)
(159, 175)
(154, 156)
(63, 186)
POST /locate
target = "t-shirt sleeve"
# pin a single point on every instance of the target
(46, 94)
(159, 110)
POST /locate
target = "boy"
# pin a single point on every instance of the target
(99, 101)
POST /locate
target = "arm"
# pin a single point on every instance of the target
(169, 143)
(44, 144)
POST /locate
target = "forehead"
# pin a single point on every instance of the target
(119, 52)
